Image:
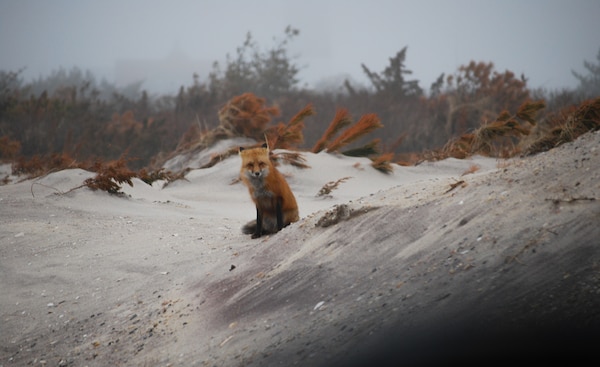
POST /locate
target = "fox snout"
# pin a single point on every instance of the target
(256, 174)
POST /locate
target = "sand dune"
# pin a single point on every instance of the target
(459, 260)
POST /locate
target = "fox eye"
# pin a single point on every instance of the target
(262, 164)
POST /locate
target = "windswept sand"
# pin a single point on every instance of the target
(424, 266)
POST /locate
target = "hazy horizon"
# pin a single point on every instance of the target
(165, 43)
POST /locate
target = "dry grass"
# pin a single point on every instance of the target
(330, 186)
(383, 162)
(340, 121)
(362, 127)
(287, 136)
(472, 169)
(507, 136)
(110, 176)
(247, 115)
(42, 165)
(150, 177)
(498, 138)
(569, 124)
(9, 149)
(296, 159)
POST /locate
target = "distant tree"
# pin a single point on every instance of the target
(436, 87)
(10, 88)
(478, 93)
(60, 79)
(77, 83)
(10, 81)
(267, 73)
(393, 97)
(589, 85)
(391, 80)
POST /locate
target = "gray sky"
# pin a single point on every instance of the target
(125, 40)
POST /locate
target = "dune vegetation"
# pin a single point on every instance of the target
(68, 119)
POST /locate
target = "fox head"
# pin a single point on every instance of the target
(255, 162)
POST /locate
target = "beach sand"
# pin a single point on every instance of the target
(477, 260)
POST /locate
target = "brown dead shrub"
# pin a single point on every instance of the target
(569, 124)
(110, 176)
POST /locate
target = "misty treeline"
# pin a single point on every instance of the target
(72, 114)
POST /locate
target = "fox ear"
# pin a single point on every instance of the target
(241, 148)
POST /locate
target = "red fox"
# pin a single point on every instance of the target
(275, 203)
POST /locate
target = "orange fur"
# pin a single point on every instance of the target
(276, 205)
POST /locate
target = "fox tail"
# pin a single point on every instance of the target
(249, 228)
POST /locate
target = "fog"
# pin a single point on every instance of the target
(164, 43)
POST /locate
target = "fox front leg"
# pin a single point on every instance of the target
(279, 211)
(258, 231)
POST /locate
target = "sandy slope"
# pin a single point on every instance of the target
(389, 268)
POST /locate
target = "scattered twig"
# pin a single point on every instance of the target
(571, 200)
(73, 189)
(35, 182)
(330, 186)
(472, 169)
(532, 242)
(226, 340)
(296, 159)
(461, 183)
(341, 213)
(41, 184)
